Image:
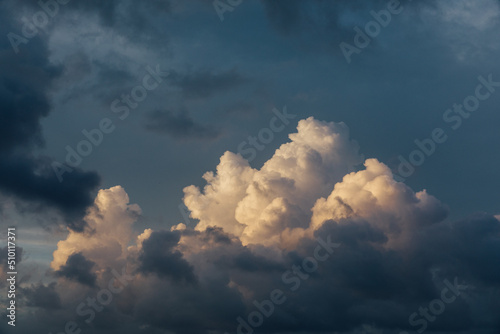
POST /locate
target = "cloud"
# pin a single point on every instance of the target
(256, 229)
(389, 205)
(203, 83)
(158, 257)
(109, 232)
(27, 78)
(390, 236)
(79, 269)
(271, 203)
(253, 224)
(43, 296)
(178, 125)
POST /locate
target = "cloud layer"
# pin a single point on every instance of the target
(391, 251)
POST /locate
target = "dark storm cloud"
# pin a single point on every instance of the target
(159, 257)
(32, 179)
(216, 305)
(475, 241)
(363, 282)
(216, 302)
(78, 269)
(43, 296)
(178, 125)
(247, 261)
(27, 78)
(366, 283)
(203, 84)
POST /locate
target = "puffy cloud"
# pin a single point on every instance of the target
(217, 204)
(372, 194)
(140, 239)
(291, 195)
(263, 206)
(109, 232)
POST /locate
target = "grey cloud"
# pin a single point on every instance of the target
(43, 296)
(159, 258)
(178, 125)
(79, 269)
(362, 283)
(203, 83)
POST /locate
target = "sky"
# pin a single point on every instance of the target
(250, 166)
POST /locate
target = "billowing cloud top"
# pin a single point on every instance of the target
(311, 227)
(267, 206)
